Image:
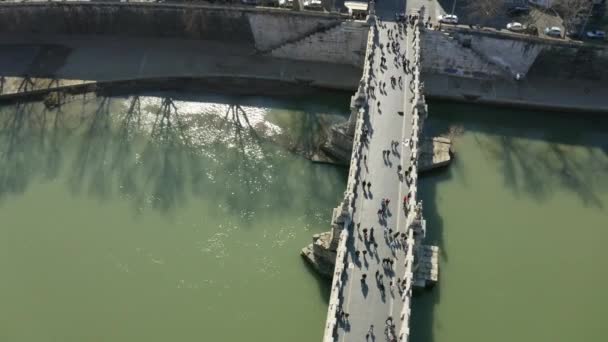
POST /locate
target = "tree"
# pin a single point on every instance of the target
(483, 10)
(573, 12)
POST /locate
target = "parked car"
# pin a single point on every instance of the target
(596, 34)
(516, 27)
(553, 31)
(314, 5)
(448, 19)
(574, 33)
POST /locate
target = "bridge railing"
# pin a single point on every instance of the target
(348, 204)
(418, 114)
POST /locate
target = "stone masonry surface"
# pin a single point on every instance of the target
(374, 294)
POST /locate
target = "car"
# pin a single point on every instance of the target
(596, 34)
(516, 27)
(553, 31)
(574, 33)
(314, 5)
(448, 19)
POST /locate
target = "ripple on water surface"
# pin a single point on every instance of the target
(156, 219)
(521, 219)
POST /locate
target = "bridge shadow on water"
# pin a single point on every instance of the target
(533, 153)
(423, 321)
(539, 153)
(323, 283)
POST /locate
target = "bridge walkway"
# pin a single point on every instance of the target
(372, 303)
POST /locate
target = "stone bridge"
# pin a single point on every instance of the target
(377, 230)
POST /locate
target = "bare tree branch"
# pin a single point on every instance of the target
(572, 12)
(484, 10)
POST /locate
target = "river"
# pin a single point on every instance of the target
(158, 219)
(522, 219)
(177, 218)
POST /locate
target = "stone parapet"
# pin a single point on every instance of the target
(346, 210)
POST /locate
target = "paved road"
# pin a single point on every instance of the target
(364, 301)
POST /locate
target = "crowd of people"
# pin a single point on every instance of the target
(395, 239)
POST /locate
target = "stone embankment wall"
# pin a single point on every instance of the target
(344, 42)
(444, 54)
(480, 54)
(325, 37)
(481, 66)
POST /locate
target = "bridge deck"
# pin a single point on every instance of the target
(364, 301)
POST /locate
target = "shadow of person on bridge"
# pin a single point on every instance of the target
(375, 255)
(356, 260)
(365, 262)
(344, 322)
(370, 195)
(364, 288)
(382, 290)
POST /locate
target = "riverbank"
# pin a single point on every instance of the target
(225, 67)
(19, 89)
(532, 93)
(118, 58)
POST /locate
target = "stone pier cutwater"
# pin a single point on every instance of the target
(375, 243)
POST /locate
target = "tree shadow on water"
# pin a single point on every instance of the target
(164, 159)
(539, 169)
(26, 150)
(123, 164)
(151, 154)
(90, 167)
(245, 164)
(15, 170)
(54, 155)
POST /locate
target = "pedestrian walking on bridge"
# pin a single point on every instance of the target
(370, 332)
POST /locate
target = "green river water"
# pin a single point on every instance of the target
(180, 219)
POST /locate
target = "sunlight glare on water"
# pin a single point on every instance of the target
(161, 219)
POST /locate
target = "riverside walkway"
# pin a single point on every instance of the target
(374, 274)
